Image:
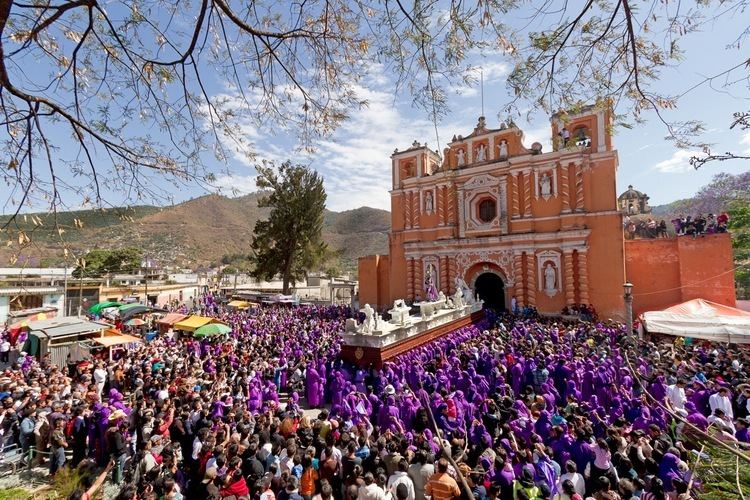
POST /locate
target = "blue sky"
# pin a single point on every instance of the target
(356, 165)
(355, 160)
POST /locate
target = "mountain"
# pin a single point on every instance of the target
(196, 232)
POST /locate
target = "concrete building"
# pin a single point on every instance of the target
(27, 290)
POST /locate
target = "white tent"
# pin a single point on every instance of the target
(700, 319)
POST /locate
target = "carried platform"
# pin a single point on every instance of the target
(386, 340)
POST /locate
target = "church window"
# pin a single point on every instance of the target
(487, 210)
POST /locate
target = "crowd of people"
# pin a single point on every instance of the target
(682, 226)
(509, 408)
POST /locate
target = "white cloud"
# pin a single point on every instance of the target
(745, 141)
(679, 163)
(235, 184)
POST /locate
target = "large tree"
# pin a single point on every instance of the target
(289, 243)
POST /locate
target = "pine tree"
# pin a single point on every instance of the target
(289, 242)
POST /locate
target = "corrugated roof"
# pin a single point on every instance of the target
(53, 329)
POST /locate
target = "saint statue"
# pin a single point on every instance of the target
(481, 153)
(428, 203)
(545, 185)
(429, 284)
(460, 158)
(503, 149)
(550, 277)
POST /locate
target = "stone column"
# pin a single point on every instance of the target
(568, 279)
(531, 278)
(565, 188)
(583, 276)
(518, 277)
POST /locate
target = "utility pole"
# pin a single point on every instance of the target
(82, 267)
(628, 296)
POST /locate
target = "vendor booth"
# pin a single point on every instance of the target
(700, 319)
(168, 321)
(192, 323)
(59, 335)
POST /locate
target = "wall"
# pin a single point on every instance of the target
(4, 309)
(368, 279)
(668, 271)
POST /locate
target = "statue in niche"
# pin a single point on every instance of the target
(429, 283)
(429, 204)
(460, 158)
(550, 279)
(481, 153)
(503, 146)
(545, 185)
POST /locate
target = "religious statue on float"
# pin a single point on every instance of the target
(429, 284)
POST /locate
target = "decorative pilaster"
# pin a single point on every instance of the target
(415, 209)
(568, 282)
(583, 276)
(450, 195)
(514, 195)
(440, 200)
(565, 188)
(518, 276)
(527, 179)
(410, 279)
(419, 279)
(443, 274)
(531, 278)
(407, 210)
(579, 188)
(452, 271)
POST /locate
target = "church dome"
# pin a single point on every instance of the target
(631, 194)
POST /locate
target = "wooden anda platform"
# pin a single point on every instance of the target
(365, 356)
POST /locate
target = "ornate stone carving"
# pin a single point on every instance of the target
(472, 192)
(503, 260)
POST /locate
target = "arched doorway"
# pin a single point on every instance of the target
(491, 289)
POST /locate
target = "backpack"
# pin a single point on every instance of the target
(69, 427)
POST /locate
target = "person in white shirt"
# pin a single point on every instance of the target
(721, 421)
(721, 401)
(370, 490)
(401, 476)
(571, 472)
(676, 395)
(4, 350)
(100, 377)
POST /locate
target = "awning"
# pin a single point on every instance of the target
(171, 318)
(701, 319)
(239, 304)
(192, 323)
(65, 327)
(116, 340)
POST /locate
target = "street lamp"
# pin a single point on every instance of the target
(627, 288)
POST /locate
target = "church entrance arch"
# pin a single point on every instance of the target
(490, 288)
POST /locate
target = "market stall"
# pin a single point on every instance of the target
(700, 319)
(192, 323)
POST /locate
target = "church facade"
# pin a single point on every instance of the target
(508, 221)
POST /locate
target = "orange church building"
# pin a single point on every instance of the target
(543, 227)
